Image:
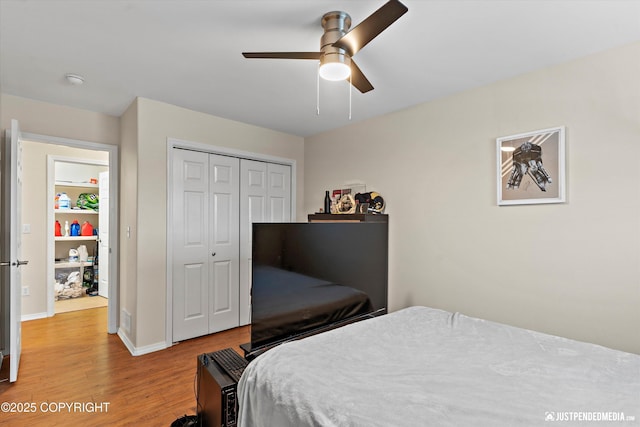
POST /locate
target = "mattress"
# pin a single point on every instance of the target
(286, 303)
(421, 366)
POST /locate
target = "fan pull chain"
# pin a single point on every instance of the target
(350, 92)
(318, 91)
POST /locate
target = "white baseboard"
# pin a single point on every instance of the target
(135, 351)
(34, 316)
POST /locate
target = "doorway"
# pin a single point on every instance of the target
(79, 199)
(42, 152)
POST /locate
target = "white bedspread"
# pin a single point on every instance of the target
(426, 367)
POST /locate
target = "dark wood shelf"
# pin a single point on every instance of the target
(318, 217)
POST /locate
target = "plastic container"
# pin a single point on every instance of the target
(83, 254)
(64, 202)
(66, 229)
(58, 229)
(75, 228)
(73, 255)
(86, 229)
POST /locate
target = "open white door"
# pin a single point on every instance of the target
(103, 231)
(13, 229)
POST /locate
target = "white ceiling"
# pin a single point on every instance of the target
(188, 52)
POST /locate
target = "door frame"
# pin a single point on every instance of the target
(173, 143)
(114, 300)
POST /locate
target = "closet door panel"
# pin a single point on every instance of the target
(253, 208)
(194, 277)
(223, 212)
(279, 192)
(222, 300)
(190, 244)
(224, 241)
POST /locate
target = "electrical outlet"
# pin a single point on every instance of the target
(25, 291)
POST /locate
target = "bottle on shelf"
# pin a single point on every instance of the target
(73, 255)
(66, 229)
(75, 228)
(87, 229)
(64, 202)
(58, 229)
(327, 202)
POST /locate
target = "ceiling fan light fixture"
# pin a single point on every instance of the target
(335, 67)
(339, 43)
(335, 71)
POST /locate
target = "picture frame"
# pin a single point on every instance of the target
(531, 167)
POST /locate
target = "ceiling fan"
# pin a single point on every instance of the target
(338, 44)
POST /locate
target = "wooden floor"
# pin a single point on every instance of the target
(82, 303)
(70, 359)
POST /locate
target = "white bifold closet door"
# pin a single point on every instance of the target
(265, 196)
(215, 201)
(206, 240)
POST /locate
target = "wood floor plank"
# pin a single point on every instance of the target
(70, 359)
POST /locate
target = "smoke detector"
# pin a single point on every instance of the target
(74, 79)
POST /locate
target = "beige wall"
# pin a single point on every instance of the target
(60, 121)
(568, 269)
(156, 122)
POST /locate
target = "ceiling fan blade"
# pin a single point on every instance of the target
(358, 80)
(283, 55)
(373, 25)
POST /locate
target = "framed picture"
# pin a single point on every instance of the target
(531, 167)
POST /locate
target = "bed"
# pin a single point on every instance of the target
(421, 366)
(286, 303)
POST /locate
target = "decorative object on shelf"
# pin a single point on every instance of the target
(531, 167)
(374, 200)
(88, 201)
(336, 195)
(346, 204)
(327, 202)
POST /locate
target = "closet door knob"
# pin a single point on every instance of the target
(213, 254)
